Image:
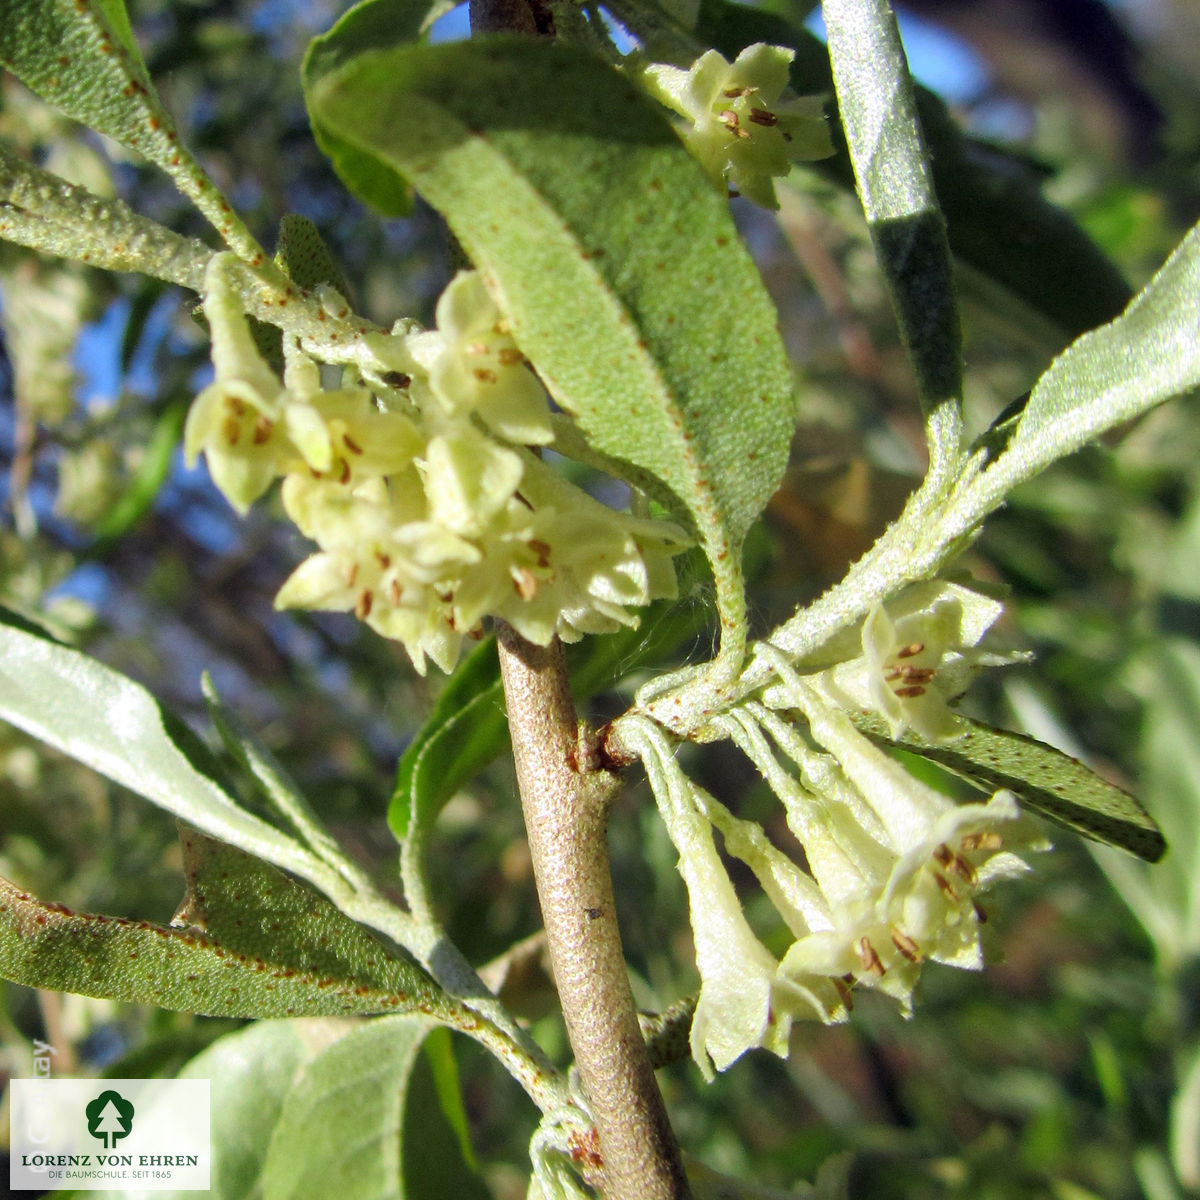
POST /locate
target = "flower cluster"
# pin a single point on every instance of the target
(432, 514)
(894, 868)
(743, 130)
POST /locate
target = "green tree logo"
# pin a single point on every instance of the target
(109, 1118)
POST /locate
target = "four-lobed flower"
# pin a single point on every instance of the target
(473, 365)
(249, 426)
(745, 130)
(916, 655)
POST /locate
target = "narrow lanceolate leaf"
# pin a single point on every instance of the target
(81, 56)
(879, 118)
(447, 1110)
(1149, 354)
(251, 909)
(611, 254)
(147, 480)
(276, 786)
(304, 257)
(465, 730)
(256, 945)
(1044, 780)
(116, 727)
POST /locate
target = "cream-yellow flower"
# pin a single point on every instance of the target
(744, 130)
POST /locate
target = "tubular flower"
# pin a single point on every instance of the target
(744, 999)
(899, 864)
(250, 428)
(358, 439)
(473, 365)
(743, 131)
(905, 889)
(431, 516)
(422, 557)
(893, 870)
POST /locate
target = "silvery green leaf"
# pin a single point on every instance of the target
(1149, 354)
(247, 942)
(879, 118)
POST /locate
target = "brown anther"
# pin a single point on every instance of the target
(525, 582)
(344, 477)
(262, 430)
(517, 496)
(943, 855)
(763, 116)
(980, 914)
(502, 328)
(382, 559)
(892, 674)
(906, 946)
(917, 674)
(510, 356)
(947, 888)
(484, 375)
(870, 960)
(964, 870)
(913, 689)
(911, 649)
(395, 594)
(231, 428)
(843, 991)
(351, 444)
(729, 119)
(351, 574)
(736, 93)
(362, 610)
(982, 841)
(238, 405)
(396, 379)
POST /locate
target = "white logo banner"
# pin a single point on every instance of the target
(109, 1134)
